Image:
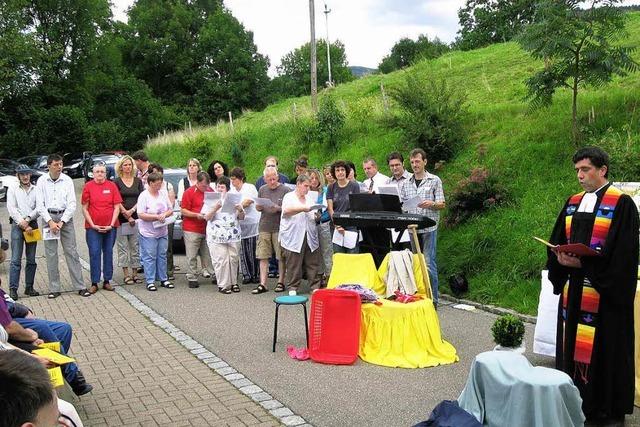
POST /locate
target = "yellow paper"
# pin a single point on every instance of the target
(55, 346)
(57, 358)
(55, 374)
(32, 236)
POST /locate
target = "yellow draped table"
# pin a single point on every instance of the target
(394, 334)
(403, 335)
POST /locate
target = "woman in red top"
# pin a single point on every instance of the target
(100, 205)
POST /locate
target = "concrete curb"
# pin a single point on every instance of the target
(490, 308)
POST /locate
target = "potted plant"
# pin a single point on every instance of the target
(508, 333)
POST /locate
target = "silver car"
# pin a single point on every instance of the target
(174, 176)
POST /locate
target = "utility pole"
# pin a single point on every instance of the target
(326, 15)
(313, 62)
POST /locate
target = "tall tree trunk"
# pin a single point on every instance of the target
(313, 63)
(574, 112)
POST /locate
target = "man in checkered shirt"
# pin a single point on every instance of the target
(429, 188)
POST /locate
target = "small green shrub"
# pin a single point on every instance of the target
(237, 154)
(508, 331)
(479, 192)
(330, 121)
(431, 115)
(306, 132)
(200, 147)
(624, 152)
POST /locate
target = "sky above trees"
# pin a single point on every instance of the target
(368, 28)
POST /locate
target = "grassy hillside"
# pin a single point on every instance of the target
(529, 151)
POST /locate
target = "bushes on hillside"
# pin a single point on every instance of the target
(431, 115)
(330, 119)
(472, 195)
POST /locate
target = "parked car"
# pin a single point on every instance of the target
(38, 162)
(8, 167)
(73, 164)
(174, 176)
(108, 159)
(5, 182)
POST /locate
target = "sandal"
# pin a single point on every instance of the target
(167, 284)
(224, 291)
(151, 287)
(53, 295)
(279, 287)
(137, 279)
(84, 293)
(260, 289)
(129, 280)
(235, 288)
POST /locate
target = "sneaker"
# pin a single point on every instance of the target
(206, 274)
(79, 385)
(31, 292)
(193, 284)
(13, 293)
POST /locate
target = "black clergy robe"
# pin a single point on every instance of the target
(609, 386)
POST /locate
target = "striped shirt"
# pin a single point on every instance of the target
(430, 188)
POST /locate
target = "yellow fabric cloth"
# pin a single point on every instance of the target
(393, 334)
(403, 335)
(354, 268)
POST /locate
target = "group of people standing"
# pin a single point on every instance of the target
(278, 227)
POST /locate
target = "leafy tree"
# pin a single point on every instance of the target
(67, 89)
(294, 71)
(407, 52)
(578, 48)
(484, 22)
(330, 119)
(431, 115)
(196, 57)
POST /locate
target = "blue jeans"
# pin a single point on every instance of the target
(153, 254)
(17, 245)
(51, 331)
(429, 243)
(101, 254)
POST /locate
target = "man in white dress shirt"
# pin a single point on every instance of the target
(374, 178)
(21, 205)
(56, 204)
(299, 236)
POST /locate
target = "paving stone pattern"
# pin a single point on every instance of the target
(143, 375)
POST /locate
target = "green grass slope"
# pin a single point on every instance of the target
(529, 151)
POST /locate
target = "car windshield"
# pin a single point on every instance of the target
(108, 159)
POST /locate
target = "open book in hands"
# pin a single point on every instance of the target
(577, 249)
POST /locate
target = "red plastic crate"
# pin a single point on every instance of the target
(334, 330)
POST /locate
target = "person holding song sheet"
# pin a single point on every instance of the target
(154, 212)
(223, 236)
(595, 329)
(130, 187)
(345, 240)
(21, 205)
(299, 236)
(194, 226)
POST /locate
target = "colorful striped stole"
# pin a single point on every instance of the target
(590, 298)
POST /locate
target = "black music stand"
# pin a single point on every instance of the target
(375, 240)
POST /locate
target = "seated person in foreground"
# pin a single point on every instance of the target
(26, 333)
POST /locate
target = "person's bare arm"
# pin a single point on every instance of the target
(19, 333)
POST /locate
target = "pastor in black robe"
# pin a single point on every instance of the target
(609, 387)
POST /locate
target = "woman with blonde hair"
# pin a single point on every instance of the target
(323, 222)
(130, 188)
(193, 167)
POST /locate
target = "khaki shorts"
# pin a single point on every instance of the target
(267, 245)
